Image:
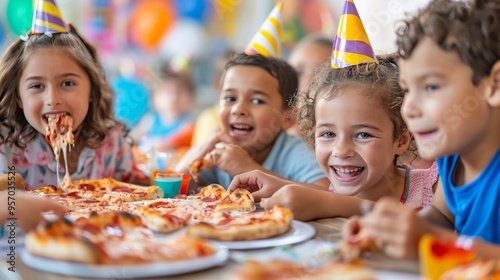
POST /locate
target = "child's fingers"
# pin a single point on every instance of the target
(351, 227)
(267, 203)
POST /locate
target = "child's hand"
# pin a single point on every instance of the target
(29, 209)
(201, 150)
(397, 227)
(351, 228)
(259, 183)
(232, 159)
(297, 198)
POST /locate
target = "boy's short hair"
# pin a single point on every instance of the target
(471, 30)
(278, 68)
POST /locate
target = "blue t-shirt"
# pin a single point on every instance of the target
(476, 205)
(290, 157)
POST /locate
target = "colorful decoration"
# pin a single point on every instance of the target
(351, 45)
(267, 41)
(151, 19)
(186, 38)
(131, 99)
(19, 16)
(100, 25)
(197, 10)
(47, 18)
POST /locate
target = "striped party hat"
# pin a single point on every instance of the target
(47, 18)
(351, 45)
(267, 41)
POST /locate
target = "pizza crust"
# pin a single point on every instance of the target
(55, 240)
(251, 226)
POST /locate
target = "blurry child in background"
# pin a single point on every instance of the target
(358, 153)
(450, 73)
(170, 124)
(256, 103)
(305, 57)
(46, 75)
(208, 122)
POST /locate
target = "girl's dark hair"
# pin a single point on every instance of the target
(100, 118)
(278, 68)
(379, 82)
(470, 30)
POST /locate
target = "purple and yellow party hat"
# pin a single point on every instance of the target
(47, 18)
(351, 45)
(267, 41)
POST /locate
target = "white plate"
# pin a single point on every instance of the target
(395, 275)
(127, 270)
(298, 232)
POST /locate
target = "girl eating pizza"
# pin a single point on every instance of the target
(53, 76)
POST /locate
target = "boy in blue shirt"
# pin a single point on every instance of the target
(450, 71)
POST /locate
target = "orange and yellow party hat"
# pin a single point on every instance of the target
(47, 18)
(351, 45)
(267, 41)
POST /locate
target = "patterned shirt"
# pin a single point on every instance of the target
(37, 165)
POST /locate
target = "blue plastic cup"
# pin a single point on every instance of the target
(169, 183)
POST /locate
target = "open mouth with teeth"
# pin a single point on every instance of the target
(241, 129)
(347, 172)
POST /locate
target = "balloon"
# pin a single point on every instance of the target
(20, 16)
(131, 100)
(185, 39)
(150, 20)
(192, 9)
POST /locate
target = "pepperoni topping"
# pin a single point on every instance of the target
(121, 189)
(227, 219)
(162, 204)
(172, 219)
(91, 228)
(87, 187)
(210, 198)
(180, 196)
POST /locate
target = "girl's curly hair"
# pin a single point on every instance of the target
(378, 81)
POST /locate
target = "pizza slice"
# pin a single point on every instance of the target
(210, 193)
(281, 269)
(198, 165)
(109, 238)
(479, 269)
(163, 220)
(353, 249)
(238, 200)
(229, 226)
(113, 191)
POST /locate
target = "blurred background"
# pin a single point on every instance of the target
(135, 38)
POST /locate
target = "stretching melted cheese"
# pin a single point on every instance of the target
(59, 135)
